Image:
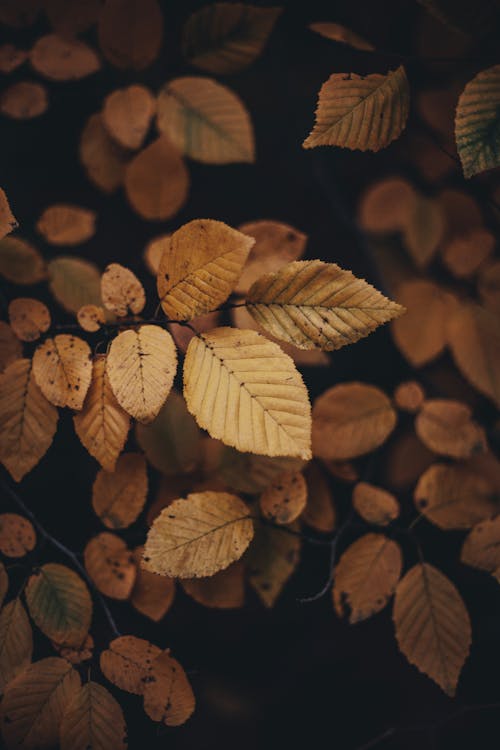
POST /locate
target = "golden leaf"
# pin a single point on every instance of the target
(285, 499)
(110, 565)
(62, 367)
(130, 32)
(199, 267)
(91, 317)
(152, 595)
(206, 120)
(477, 128)
(102, 425)
(28, 421)
(157, 181)
(20, 262)
(464, 255)
(320, 513)
(361, 112)
(455, 497)
(63, 59)
(103, 160)
(127, 115)
(24, 100)
(366, 577)
(17, 535)
(59, 602)
(29, 318)
(224, 590)
(8, 221)
(341, 34)
(35, 703)
(225, 38)
(172, 442)
(16, 642)
(351, 419)
(168, 696)
(118, 496)
(121, 291)
(246, 392)
(374, 504)
(64, 224)
(141, 366)
(481, 548)
(93, 719)
(271, 560)
(474, 340)
(127, 662)
(446, 427)
(251, 473)
(432, 625)
(409, 396)
(314, 304)
(74, 282)
(198, 536)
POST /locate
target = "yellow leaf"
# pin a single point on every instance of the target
(74, 282)
(121, 291)
(199, 267)
(93, 719)
(118, 496)
(285, 499)
(206, 121)
(351, 419)
(17, 535)
(168, 696)
(374, 504)
(446, 426)
(127, 115)
(103, 160)
(62, 367)
(198, 536)
(314, 304)
(64, 224)
(130, 32)
(110, 565)
(152, 595)
(29, 318)
(127, 662)
(20, 262)
(341, 34)
(224, 590)
(24, 100)
(366, 577)
(16, 642)
(246, 392)
(8, 221)
(361, 112)
(271, 560)
(477, 127)
(59, 602)
(91, 317)
(225, 38)
(35, 703)
(141, 366)
(63, 59)
(28, 421)
(102, 425)
(432, 625)
(481, 548)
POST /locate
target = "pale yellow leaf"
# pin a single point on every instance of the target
(93, 719)
(91, 317)
(118, 496)
(16, 642)
(29, 318)
(121, 291)
(62, 367)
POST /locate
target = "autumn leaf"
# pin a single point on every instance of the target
(93, 719)
(168, 696)
(59, 602)
(341, 34)
(103, 160)
(64, 224)
(63, 59)
(361, 112)
(446, 426)
(387, 205)
(24, 100)
(252, 473)
(374, 504)
(17, 535)
(152, 595)
(141, 366)
(16, 642)
(29, 318)
(224, 590)
(118, 496)
(199, 267)
(320, 512)
(127, 115)
(20, 262)
(127, 662)
(246, 392)
(62, 367)
(272, 559)
(8, 221)
(121, 291)
(225, 38)
(206, 121)
(409, 396)
(74, 282)
(130, 32)
(91, 317)
(432, 625)
(110, 564)
(285, 499)
(477, 125)
(481, 548)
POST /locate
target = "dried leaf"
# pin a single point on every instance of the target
(168, 696)
(351, 419)
(24, 100)
(477, 127)
(271, 560)
(251, 473)
(366, 577)
(206, 120)
(63, 59)
(455, 497)
(17, 535)
(157, 181)
(464, 255)
(314, 304)
(28, 421)
(103, 160)
(387, 205)
(119, 496)
(59, 602)
(62, 367)
(127, 115)
(246, 392)
(341, 34)
(481, 548)
(224, 590)
(199, 267)
(409, 396)
(93, 719)
(127, 662)
(91, 317)
(285, 499)
(432, 625)
(110, 565)
(74, 282)
(64, 224)
(29, 318)
(446, 427)
(361, 112)
(16, 642)
(78, 655)
(374, 504)
(319, 513)
(35, 703)
(8, 221)
(10, 346)
(131, 32)
(11, 58)
(225, 38)
(141, 366)
(121, 291)
(152, 595)
(20, 262)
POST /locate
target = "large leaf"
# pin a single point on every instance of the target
(93, 719)
(16, 642)
(432, 625)
(477, 123)
(361, 112)
(312, 304)
(62, 367)
(246, 392)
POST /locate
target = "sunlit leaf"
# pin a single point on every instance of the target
(121, 291)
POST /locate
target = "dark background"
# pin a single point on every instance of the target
(294, 676)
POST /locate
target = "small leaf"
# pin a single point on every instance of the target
(29, 318)
(16, 642)
(152, 595)
(224, 590)
(206, 121)
(446, 426)
(168, 696)
(63, 59)
(481, 548)
(78, 654)
(432, 625)
(141, 366)
(127, 662)
(127, 115)
(198, 536)
(17, 535)
(118, 496)
(121, 291)
(62, 367)
(74, 282)
(110, 565)
(24, 100)
(64, 224)
(477, 124)
(130, 32)
(271, 560)
(341, 34)
(8, 221)
(20, 262)
(93, 719)
(361, 112)
(409, 396)
(285, 499)
(59, 602)
(103, 160)
(91, 317)
(374, 504)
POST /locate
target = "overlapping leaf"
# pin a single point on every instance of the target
(477, 123)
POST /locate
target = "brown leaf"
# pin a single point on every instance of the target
(409, 396)
(387, 205)
(17, 535)
(168, 696)
(11, 57)
(152, 595)
(24, 100)
(8, 221)
(29, 318)
(16, 642)
(93, 719)
(121, 291)
(91, 317)
(341, 34)
(20, 262)
(285, 499)
(127, 662)
(320, 513)
(62, 367)
(127, 115)
(374, 504)
(130, 32)
(406, 460)
(64, 224)
(464, 255)
(63, 59)
(118, 496)
(481, 548)
(224, 590)
(103, 160)
(446, 427)
(110, 565)
(271, 560)
(76, 655)
(252, 473)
